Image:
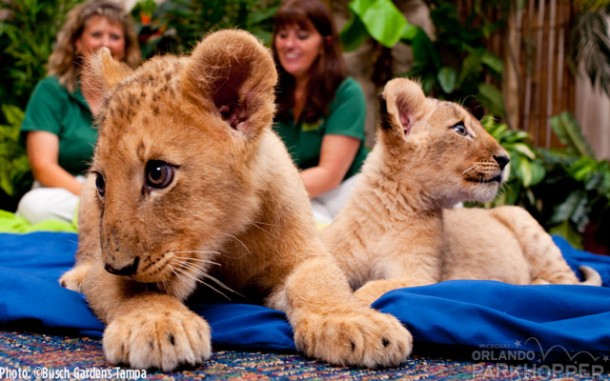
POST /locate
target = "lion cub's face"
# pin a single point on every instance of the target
(173, 164)
(440, 145)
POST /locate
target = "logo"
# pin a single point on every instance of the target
(314, 126)
(531, 359)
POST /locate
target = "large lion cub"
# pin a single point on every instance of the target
(399, 230)
(190, 184)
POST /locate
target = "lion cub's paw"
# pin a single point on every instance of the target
(161, 339)
(370, 338)
(73, 278)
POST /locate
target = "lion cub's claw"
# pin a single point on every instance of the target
(163, 339)
(73, 279)
(370, 339)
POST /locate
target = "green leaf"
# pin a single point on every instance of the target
(493, 62)
(447, 78)
(569, 133)
(524, 150)
(538, 172)
(353, 34)
(525, 172)
(259, 16)
(491, 98)
(572, 209)
(383, 21)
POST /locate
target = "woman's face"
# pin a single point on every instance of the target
(100, 32)
(298, 48)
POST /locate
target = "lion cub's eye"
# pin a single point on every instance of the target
(159, 174)
(100, 184)
(460, 128)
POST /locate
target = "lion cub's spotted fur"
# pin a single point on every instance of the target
(397, 230)
(190, 185)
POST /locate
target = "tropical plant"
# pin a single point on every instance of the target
(576, 192)
(175, 26)
(455, 65)
(27, 33)
(526, 168)
(567, 190)
(15, 176)
(590, 40)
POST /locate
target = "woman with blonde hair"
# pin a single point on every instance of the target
(58, 125)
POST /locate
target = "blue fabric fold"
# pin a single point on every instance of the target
(468, 317)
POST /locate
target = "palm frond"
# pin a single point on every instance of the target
(592, 47)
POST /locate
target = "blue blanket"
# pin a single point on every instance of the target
(476, 320)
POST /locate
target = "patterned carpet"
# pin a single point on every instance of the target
(25, 355)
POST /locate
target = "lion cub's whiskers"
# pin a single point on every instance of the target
(184, 272)
(234, 237)
(469, 169)
(200, 260)
(257, 224)
(184, 267)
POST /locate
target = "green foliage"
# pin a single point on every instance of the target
(590, 41)
(15, 163)
(565, 190)
(175, 26)
(26, 40)
(577, 189)
(592, 47)
(526, 168)
(379, 19)
(455, 66)
(569, 133)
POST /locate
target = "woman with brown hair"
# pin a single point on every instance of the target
(58, 126)
(321, 110)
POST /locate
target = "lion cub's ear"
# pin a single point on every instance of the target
(402, 104)
(233, 75)
(101, 73)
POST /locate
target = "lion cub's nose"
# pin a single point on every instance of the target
(502, 160)
(128, 269)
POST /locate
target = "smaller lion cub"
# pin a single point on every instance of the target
(399, 228)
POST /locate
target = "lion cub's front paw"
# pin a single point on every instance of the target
(361, 338)
(73, 278)
(161, 339)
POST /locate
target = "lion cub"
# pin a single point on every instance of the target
(190, 183)
(397, 231)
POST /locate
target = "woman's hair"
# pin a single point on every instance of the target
(65, 62)
(327, 71)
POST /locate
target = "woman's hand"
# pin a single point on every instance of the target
(336, 156)
(43, 153)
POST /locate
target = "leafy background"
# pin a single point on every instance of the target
(566, 190)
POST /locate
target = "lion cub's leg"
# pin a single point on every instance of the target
(546, 262)
(145, 329)
(331, 324)
(156, 330)
(403, 262)
(88, 245)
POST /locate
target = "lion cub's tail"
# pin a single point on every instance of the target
(592, 277)
(547, 264)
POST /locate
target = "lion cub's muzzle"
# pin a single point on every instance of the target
(502, 160)
(126, 268)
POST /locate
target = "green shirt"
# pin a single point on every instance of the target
(54, 109)
(346, 116)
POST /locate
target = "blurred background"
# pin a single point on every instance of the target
(536, 72)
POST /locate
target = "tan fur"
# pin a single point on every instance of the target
(235, 212)
(430, 155)
(505, 244)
